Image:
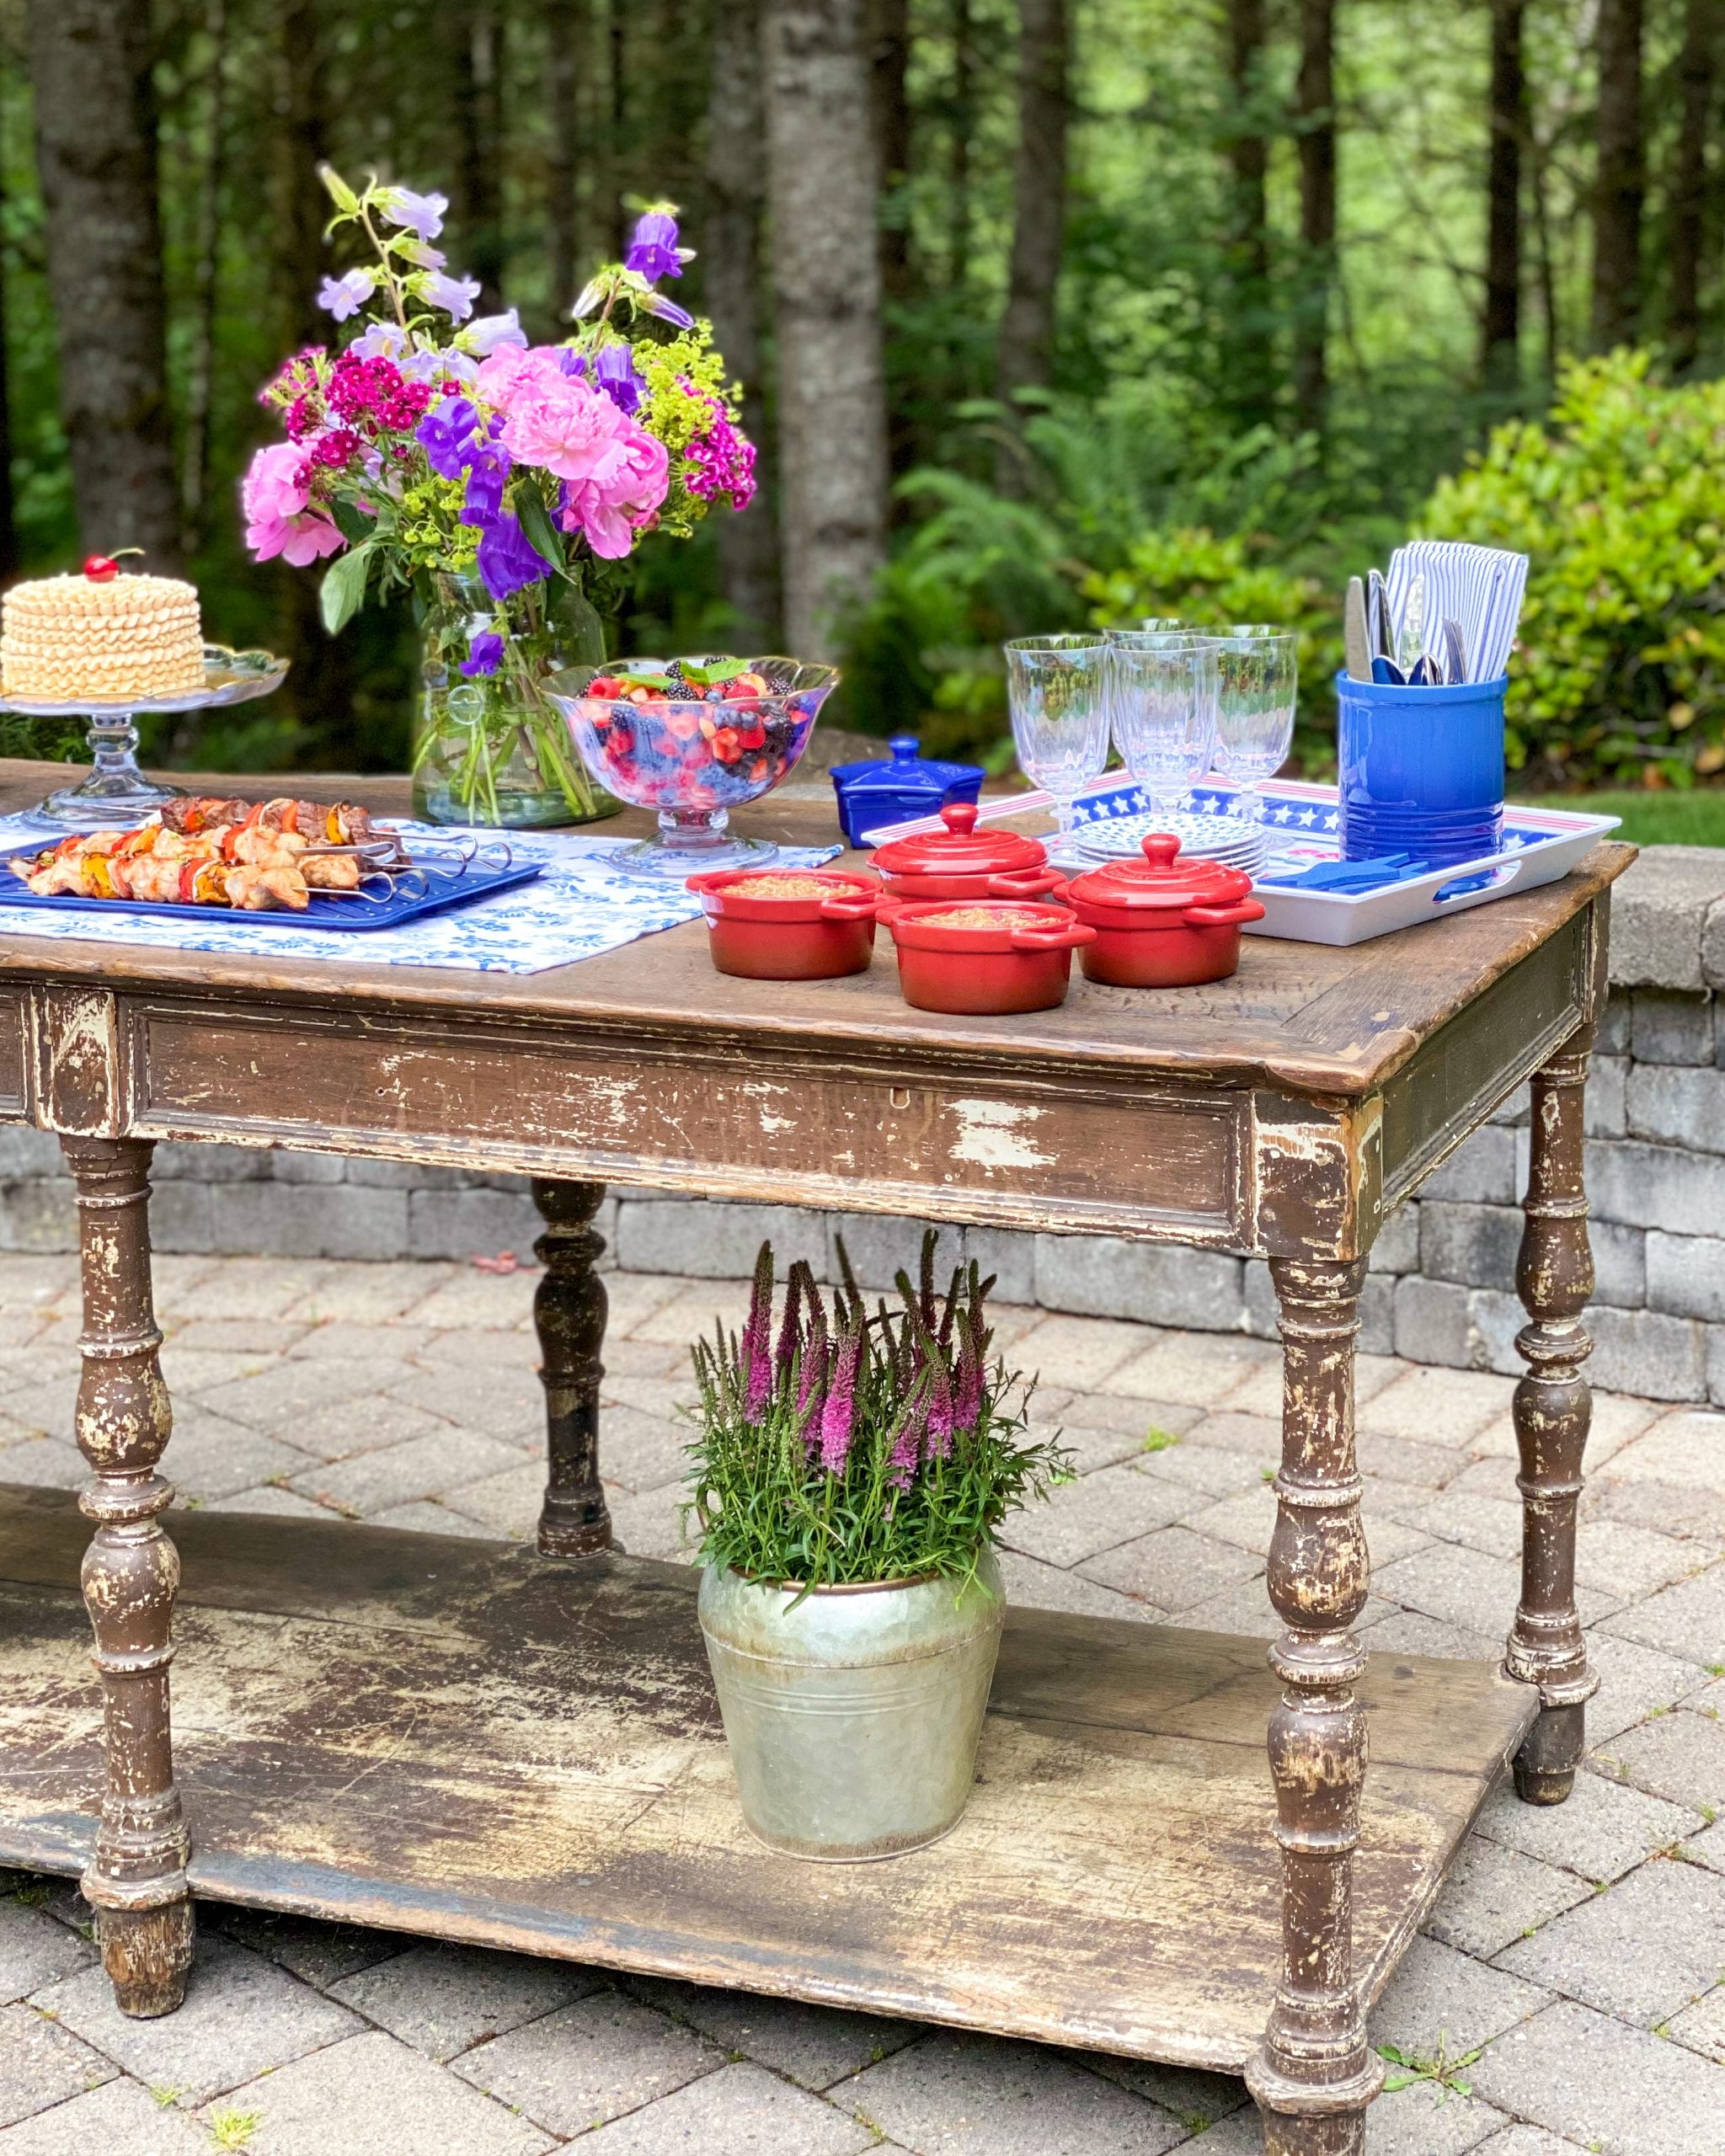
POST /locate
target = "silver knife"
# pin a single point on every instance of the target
(1355, 640)
(1377, 615)
(1410, 640)
(1455, 647)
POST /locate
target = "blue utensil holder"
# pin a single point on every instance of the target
(1420, 770)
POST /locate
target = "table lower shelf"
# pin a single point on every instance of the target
(461, 1739)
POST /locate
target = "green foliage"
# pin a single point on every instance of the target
(860, 1446)
(1619, 498)
(1210, 582)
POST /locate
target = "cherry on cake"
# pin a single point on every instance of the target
(100, 637)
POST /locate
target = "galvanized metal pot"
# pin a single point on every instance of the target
(853, 1718)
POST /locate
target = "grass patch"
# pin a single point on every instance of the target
(1159, 1440)
(233, 2129)
(1695, 818)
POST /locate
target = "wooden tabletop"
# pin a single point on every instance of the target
(1298, 1015)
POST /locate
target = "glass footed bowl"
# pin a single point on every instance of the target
(693, 759)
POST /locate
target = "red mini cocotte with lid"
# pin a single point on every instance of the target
(963, 862)
(984, 957)
(1162, 922)
(788, 924)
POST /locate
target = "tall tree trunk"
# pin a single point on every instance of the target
(615, 146)
(964, 122)
(1248, 347)
(319, 688)
(1545, 267)
(1501, 327)
(1697, 77)
(1315, 106)
(826, 287)
(890, 48)
(96, 152)
(564, 24)
(730, 257)
(195, 460)
(477, 38)
(8, 528)
(1621, 180)
(1026, 358)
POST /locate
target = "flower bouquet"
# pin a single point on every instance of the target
(850, 1477)
(497, 481)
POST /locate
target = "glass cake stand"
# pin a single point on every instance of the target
(116, 793)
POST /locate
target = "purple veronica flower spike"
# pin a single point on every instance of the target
(447, 436)
(614, 370)
(506, 561)
(653, 250)
(342, 296)
(455, 296)
(838, 1416)
(415, 213)
(484, 653)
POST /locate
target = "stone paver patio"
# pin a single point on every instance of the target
(1566, 1994)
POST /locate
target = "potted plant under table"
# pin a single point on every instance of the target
(852, 1472)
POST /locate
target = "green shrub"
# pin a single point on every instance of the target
(1618, 498)
(1210, 582)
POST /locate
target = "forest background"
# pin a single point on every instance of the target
(1050, 312)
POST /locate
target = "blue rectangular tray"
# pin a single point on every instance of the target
(342, 916)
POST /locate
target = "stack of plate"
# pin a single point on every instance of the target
(1227, 839)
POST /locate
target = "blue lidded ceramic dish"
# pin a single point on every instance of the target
(877, 793)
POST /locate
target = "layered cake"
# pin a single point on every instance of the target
(101, 637)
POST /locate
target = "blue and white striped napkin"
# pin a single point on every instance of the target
(1478, 587)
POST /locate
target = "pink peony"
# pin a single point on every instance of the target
(273, 494)
(611, 506)
(564, 425)
(512, 374)
(274, 485)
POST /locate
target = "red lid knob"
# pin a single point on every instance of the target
(1159, 848)
(959, 818)
(101, 568)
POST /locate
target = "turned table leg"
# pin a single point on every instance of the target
(136, 1878)
(1315, 2075)
(1553, 1406)
(569, 1311)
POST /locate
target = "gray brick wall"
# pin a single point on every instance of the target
(1441, 1287)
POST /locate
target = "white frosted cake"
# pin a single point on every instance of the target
(76, 639)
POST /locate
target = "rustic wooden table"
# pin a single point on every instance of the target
(475, 1743)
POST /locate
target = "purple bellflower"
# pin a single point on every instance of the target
(447, 436)
(653, 249)
(666, 310)
(614, 372)
(455, 296)
(484, 336)
(484, 653)
(506, 560)
(488, 467)
(415, 213)
(344, 295)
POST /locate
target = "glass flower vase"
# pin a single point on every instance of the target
(490, 749)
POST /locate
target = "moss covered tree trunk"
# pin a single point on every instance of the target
(1314, 113)
(1697, 85)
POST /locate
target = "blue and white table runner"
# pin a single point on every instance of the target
(579, 908)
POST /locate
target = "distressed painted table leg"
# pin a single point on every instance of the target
(1315, 2074)
(136, 1878)
(569, 1311)
(1554, 1407)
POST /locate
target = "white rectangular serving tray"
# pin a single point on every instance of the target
(1539, 845)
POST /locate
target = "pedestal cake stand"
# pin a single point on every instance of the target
(116, 793)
